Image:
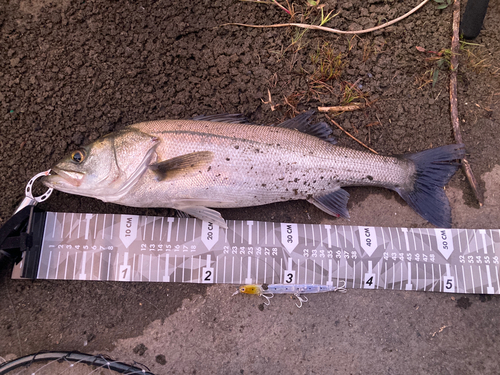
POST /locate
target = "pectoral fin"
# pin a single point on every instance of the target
(182, 164)
(205, 214)
(334, 203)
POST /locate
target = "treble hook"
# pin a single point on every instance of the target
(302, 299)
(267, 297)
(342, 288)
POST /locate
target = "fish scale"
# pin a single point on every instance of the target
(259, 163)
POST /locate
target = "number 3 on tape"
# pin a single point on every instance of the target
(207, 275)
(289, 277)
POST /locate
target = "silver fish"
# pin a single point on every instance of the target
(190, 165)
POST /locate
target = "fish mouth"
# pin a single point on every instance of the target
(60, 178)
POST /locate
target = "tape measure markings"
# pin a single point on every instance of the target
(394, 258)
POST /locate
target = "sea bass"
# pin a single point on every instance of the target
(220, 161)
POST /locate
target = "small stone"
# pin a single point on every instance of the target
(160, 358)
(15, 61)
(140, 349)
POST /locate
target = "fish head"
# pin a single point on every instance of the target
(105, 169)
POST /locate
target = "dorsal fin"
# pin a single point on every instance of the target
(235, 118)
(302, 123)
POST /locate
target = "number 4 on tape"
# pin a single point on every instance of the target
(369, 281)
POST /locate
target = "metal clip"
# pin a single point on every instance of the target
(29, 200)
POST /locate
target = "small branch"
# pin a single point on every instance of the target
(455, 49)
(353, 137)
(342, 108)
(329, 30)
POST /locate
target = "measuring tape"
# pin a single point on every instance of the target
(103, 247)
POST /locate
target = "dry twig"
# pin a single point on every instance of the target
(455, 49)
(330, 30)
(350, 135)
(342, 108)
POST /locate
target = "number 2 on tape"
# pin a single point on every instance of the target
(207, 275)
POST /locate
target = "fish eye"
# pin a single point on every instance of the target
(78, 156)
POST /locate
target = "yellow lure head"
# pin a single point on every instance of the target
(250, 289)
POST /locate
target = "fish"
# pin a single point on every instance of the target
(222, 161)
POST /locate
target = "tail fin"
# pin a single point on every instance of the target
(434, 168)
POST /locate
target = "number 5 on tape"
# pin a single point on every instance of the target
(449, 284)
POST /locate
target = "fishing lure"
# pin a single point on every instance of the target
(269, 290)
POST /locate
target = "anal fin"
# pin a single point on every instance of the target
(333, 203)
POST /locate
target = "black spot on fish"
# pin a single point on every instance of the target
(321, 177)
(228, 159)
(257, 150)
(314, 181)
(296, 191)
(296, 179)
(236, 147)
(370, 178)
(281, 178)
(209, 167)
(264, 185)
(277, 144)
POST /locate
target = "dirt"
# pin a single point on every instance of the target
(71, 72)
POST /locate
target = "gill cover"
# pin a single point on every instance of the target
(106, 169)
